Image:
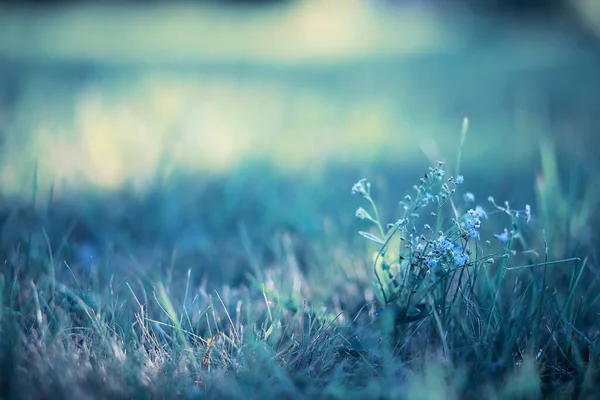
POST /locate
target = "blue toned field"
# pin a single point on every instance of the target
(312, 199)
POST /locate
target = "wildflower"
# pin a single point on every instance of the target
(461, 260)
(460, 179)
(474, 234)
(472, 222)
(503, 237)
(401, 221)
(480, 212)
(441, 173)
(429, 197)
(419, 247)
(431, 262)
(440, 243)
(457, 250)
(443, 244)
(361, 213)
(361, 187)
(470, 197)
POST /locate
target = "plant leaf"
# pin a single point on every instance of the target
(371, 237)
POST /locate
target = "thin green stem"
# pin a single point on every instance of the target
(463, 138)
(377, 220)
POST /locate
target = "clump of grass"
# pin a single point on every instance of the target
(414, 262)
(443, 276)
(465, 306)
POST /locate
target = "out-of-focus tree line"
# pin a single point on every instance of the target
(541, 7)
(580, 13)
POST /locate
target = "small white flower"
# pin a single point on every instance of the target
(361, 187)
(361, 213)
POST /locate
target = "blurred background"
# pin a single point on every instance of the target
(198, 133)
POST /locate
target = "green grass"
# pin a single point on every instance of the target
(151, 256)
(272, 306)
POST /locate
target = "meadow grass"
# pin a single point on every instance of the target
(441, 303)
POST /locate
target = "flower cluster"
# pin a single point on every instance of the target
(503, 237)
(472, 221)
(421, 259)
(449, 251)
